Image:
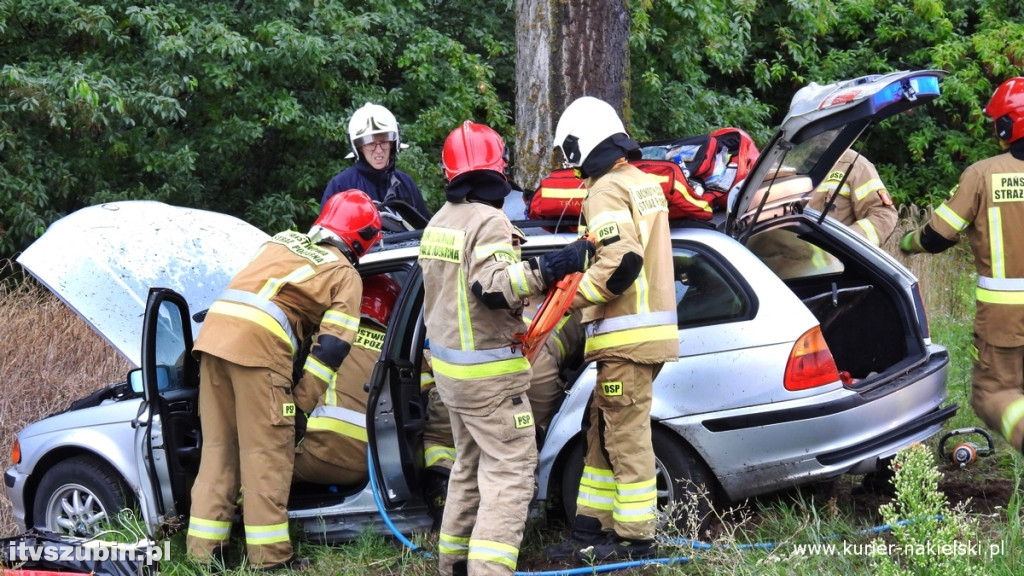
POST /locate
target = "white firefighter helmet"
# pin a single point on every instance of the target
(370, 120)
(586, 123)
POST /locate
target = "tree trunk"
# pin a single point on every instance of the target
(564, 49)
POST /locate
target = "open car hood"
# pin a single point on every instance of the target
(823, 121)
(102, 261)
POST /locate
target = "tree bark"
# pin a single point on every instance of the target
(564, 49)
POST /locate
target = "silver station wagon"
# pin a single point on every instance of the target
(804, 351)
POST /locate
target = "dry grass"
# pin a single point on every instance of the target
(51, 357)
(943, 275)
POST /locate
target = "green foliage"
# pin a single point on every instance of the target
(930, 537)
(242, 107)
(235, 107)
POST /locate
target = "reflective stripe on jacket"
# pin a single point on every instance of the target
(988, 204)
(628, 214)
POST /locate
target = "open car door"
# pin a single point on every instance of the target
(167, 437)
(396, 414)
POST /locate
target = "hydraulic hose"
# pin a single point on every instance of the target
(695, 544)
(384, 513)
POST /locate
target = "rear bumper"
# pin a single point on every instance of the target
(770, 447)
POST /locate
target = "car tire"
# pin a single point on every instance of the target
(80, 496)
(691, 491)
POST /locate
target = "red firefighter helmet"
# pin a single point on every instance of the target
(380, 292)
(351, 218)
(1006, 109)
(472, 147)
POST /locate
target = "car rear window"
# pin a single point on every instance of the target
(790, 256)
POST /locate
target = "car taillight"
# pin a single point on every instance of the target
(810, 363)
(16, 452)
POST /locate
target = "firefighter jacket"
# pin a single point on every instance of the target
(988, 203)
(475, 289)
(291, 290)
(628, 293)
(336, 429)
(863, 203)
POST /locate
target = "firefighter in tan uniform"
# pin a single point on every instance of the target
(988, 203)
(863, 203)
(475, 288)
(298, 284)
(333, 449)
(546, 391)
(629, 311)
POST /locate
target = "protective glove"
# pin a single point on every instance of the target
(574, 257)
(910, 244)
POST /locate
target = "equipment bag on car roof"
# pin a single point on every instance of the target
(561, 194)
(713, 163)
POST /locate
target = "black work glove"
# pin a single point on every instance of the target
(574, 257)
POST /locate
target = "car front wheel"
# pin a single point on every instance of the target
(80, 496)
(686, 487)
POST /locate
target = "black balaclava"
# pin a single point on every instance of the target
(605, 154)
(1016, 148)
(485, 186)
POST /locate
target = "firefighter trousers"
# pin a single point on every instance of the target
(309, 467)
(997, 389)
(248, 423)
(490, 489)
(618, 486)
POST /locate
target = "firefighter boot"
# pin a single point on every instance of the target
(616, 548)
(435, 492)
(586, 532)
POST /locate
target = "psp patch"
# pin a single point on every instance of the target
(288, 410)
(524, 420)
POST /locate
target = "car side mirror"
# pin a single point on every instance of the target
(162, 379)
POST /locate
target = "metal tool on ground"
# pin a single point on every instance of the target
(966, 453)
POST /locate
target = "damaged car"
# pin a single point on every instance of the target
(775, 386)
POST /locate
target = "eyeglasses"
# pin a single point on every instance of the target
(384, 146)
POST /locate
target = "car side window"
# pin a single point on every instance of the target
(705, 294)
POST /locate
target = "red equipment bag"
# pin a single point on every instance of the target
(714, 162)
(740, 149)
(682, 201)
(561, 194)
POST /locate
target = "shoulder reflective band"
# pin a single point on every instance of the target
(280, 325)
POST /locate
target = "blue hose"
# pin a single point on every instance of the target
(384, 513)
(695, 544)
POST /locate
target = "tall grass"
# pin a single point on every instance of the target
(50, 358)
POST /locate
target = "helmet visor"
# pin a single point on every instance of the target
(361, 141)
